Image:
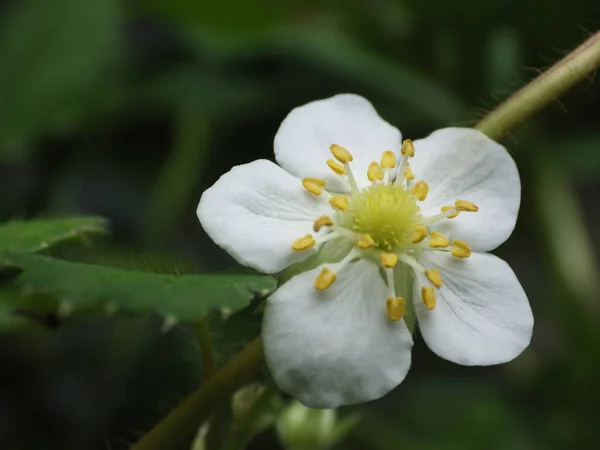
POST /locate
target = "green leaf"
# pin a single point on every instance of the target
(38, 235)
(53, 56)
(76, 287)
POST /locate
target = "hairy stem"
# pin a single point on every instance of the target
(545, 89)
(187, 416)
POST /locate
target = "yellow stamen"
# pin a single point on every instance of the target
(341, 154)
(408, 174)
(388, 160)
(340, 202)
(304, 243)
(374, 172)
(419, 233)
(366, 242)
(395, 308)
(428, 297)
(450, 208)
(321, 222)
(420, 190)
(463, 205)
(325, 279)
(438, 240)
(389, 260)
(313, 185)
(336, 167)
(318, 181)
(408, 149)
(460, 249)
(435, 277)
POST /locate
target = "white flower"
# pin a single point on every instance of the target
(339, 333)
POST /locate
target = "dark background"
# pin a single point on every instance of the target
(131, 109)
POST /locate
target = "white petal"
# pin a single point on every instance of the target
(303, 140)
(464, 163)
(482, 315)
(256, 211)
(336, 347)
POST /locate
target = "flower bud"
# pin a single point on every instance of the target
(302, 428)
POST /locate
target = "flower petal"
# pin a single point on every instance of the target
(462, 163)
(303, 140)
(256, 211)
(335, 347)
(482, 315)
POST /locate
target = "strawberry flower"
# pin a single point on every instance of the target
(399, 231)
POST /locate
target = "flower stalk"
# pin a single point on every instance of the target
(182, 421)
(543, 90)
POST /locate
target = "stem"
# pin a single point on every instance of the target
(543, 90)
(208, 356)
(213, 436)
(184, 419)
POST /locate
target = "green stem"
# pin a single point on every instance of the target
(213, 436)
(545, 89)
(185, 418)
(208, 356)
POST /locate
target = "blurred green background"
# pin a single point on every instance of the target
(131, 109)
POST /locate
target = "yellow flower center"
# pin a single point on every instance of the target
(387, 212)
(384, 218)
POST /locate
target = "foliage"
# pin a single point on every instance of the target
(75, 286)
(38, 235)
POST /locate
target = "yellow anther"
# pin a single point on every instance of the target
(313, 185)
(460, 249)
(366, 241)
(420, 190)
(428, 297)
(321, 222)
(389, 260)
(374, 172)
(438, 240)
(341, 154)
(435, 277)
(336, 167)
(318, 181)
(325, 279)
(395, 308)
(463, 205)
(388, 159)
(408, 149)
(450, 208)
(340, 202)
(304, 243)
(408, 173)
(419, 233)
